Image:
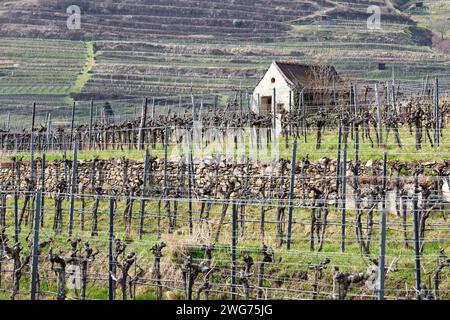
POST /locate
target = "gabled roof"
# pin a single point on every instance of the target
(296, 74)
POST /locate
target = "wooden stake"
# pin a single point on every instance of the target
(91, 115)
(436, 114)
(72, 123)
(144, 193)
(73, 186)
(35, 249)
(143, 121)
(110, 249)
(382, 250)
(344, 190)
(291, 195)
(233, 250)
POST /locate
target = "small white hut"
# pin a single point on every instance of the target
(289, 79)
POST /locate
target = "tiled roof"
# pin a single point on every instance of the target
(296, 73)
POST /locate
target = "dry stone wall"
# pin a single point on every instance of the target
(215, 179)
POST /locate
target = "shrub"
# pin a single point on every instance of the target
(238, 23)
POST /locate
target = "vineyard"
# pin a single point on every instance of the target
(220, 45)
(206, 201)
(150, 154)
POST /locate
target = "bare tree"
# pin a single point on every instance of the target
(442, 26)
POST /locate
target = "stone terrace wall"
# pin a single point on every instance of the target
(217, 179)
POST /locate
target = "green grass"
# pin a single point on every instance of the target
(329, 148)
(85, 74)
(286, 262)
(58, 68)
(432, 12)
(47, 68)
(292, 262)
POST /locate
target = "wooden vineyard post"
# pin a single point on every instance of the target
(143, 121)
(153, 109)
(250, 119)
(338, 164)
(65, 163)
(193, 107)
(3, 207)
(394, 101)
(32, 171)
(42, 188)
(72, 123)
(33, 118)
(334, 92)
(274, 111)
(166, 164)
(299, 128)
(290, 101)
(260, 292)
(73, 186)
(344, 189)
(290, 112)
(356, 187)
(35, 249)
(110, 249)
(393, 76)
(291, 195)
(158, 219)
(258, 104)
(240, 103)
(200, 111)
(32, 177)
(48, 133)
(8, 122)
(350, 102)
(379, 122)
(16, 217)
(144, 193)
(436, 114)
(382, 250)
(190, 186)
(233, 250)
(165, 193)
(91, 115)
(357, 111)
(416, 244)
(262, 221)
(304, 124)
(423, 83)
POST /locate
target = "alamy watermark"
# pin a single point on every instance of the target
(374, 21)
(74, 279)
(74, 19)
(234, 144)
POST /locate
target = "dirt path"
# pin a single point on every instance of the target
(85, 74)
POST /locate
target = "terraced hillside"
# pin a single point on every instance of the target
(39, 70)
(160, 18)
(161, 48)
(433, 15)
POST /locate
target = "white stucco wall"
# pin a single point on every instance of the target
(265, 88)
